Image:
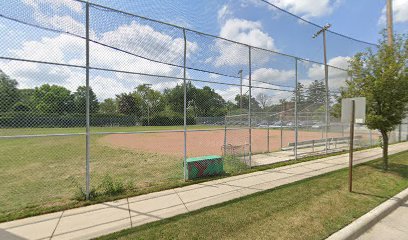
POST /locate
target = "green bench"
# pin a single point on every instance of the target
(204, 166)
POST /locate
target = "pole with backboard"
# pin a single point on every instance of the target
(352, 111)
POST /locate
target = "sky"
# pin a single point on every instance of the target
(251, 22)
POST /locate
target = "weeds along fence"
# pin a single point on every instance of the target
(99, 102)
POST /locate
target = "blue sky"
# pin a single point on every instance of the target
(249, 21)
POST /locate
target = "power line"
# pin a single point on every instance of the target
(315, 24)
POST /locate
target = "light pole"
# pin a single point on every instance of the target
(240, 96)
(326, 78)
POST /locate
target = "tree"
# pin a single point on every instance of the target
(300, 94)
(315, 93)
(26, 97)
(208, 103)
(108, 106)
(174, 97)
(53, 99)
(80, 100)
(150, 100)
(8, 92)
(263, 99)
(245, 99)
(127, 104)
(381, 77)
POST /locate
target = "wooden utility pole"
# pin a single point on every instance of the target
(351, 145)
(389, 22)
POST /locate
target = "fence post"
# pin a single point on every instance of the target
(267, 140)
(249, 108)
(296, 105)
(326, 77)
(281, 132)
(87, 112)
(185, 104)
(225, 136)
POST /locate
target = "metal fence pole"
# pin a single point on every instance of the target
(296, 107)
(326, 77)
(225, 136)
(249, 108)
(87, 112)
(267, 140)
(185, 104)
(281, 131)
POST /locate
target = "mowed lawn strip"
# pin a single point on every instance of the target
(310, 209)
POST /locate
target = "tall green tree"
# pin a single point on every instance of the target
(315, 93)
(382, 77)
(53, 99)
(208, 103)
(151, 100)
(174, 97)
(301, 94)
(8, 92)
(80, 100)
(108, 106)
(127, 104)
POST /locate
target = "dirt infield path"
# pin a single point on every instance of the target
(201, 143)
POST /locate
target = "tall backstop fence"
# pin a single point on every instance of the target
(100, 102)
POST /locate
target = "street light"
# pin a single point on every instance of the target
(326, 78)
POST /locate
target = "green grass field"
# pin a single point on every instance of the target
(309, 209)
(45, 174)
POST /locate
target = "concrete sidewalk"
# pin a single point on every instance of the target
(392, 227)
(100, 219)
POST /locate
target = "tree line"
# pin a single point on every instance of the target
(143, 100)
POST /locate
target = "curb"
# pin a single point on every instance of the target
(362, 224)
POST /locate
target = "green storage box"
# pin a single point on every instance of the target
(204, 166)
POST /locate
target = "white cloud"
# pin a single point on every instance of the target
(243, 31)
(57, 4)
(223, 12)
(400, 12)
(337, 77)
(68, 23)
(272, 76)
(71, 50)
(247, 32)
(307, 8)
(229, 93)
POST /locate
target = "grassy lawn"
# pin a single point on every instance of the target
(309, 209)
(47, 174)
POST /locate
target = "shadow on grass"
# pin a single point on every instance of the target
(370, 195)
(397, 168)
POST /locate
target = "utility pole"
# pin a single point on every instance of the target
(326, 78)
(389, 23)
(240, 96)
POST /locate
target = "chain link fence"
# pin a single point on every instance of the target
(132, 105)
